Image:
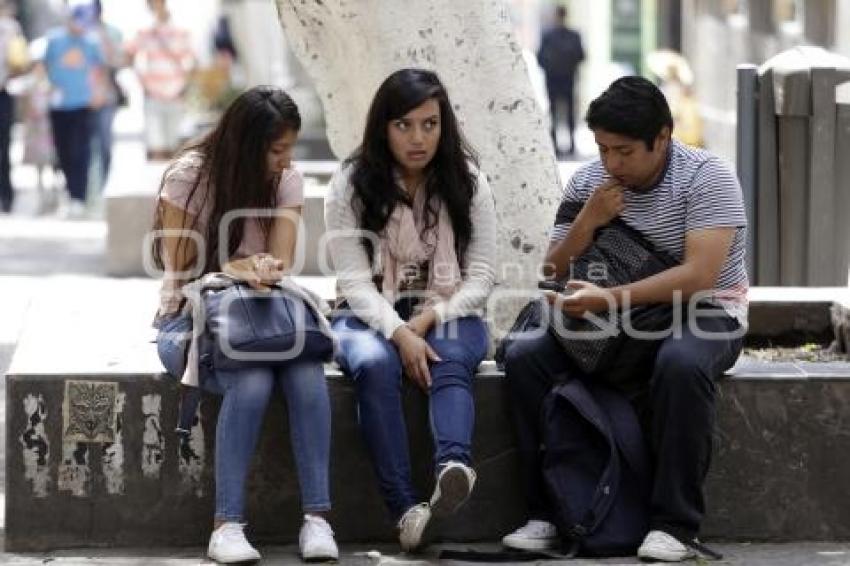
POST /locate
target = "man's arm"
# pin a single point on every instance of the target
(705, 254)
(706, 251)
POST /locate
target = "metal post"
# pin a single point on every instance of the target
(821, 234)
(746, 147)
(842, 184)
(767, 229)
(793, 198)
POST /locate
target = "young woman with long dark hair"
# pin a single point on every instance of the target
(244, 165)
(413, 282)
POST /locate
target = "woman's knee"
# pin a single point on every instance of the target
(306, 385)
(464, 341)
(247, 388)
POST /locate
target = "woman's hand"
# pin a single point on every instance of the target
(415, 355)
(259, 270)
(422, 322)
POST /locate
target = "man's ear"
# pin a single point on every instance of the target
(664, 136)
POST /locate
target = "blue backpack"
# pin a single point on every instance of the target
(596, 469)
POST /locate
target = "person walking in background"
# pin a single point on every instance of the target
(14, 60)
(559, 55)
(38, 140)
(427, 230)
(75, 68)
(162, 56)
(111, 44)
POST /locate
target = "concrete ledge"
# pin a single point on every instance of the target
(775, 474)
(91, 457)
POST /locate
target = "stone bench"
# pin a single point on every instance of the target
(77, 475)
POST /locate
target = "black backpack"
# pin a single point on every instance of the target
(596, 469)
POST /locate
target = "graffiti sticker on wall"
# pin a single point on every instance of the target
(89, 411)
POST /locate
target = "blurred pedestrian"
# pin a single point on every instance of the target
(676, 79)
(75, 68)
(111, 44)
(14, 62)
(38, 139)
(162, 56)
(559, 55)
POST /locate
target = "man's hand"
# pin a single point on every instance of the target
(415, 355)
(582, 297)
(604, 204)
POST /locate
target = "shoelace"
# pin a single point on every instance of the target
(318, 524)
(535, 530)
(233, 531)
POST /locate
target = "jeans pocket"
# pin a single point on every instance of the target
(172, 343)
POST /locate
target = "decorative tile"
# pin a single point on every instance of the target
(89, 411)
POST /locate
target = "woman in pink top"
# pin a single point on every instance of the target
(244, 164)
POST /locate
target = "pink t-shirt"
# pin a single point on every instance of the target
(178, 184)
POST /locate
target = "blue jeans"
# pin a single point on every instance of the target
(72, 138)
(374, 364)
(246, 394)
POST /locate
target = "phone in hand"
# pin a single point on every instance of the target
(550, 285)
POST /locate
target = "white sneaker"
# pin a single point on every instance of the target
(454, 485)
(76, 210)
(534, 535)
(316, 540)
(228, 544)
(411, 526)
(658, 545)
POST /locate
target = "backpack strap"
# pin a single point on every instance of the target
(625, 430)
(702, 550)
(190, 397)
(576, 394)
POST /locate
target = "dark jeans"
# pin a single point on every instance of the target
(676, 404)
(562, 98)
(374, 364)
(101, 133)
(72, 138)
(7, 111)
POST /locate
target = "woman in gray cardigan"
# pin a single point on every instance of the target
(414, 229)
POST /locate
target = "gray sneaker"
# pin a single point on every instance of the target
(454, 486)
(658, 545)
(411, 526)
(534, 535)
(228, 544)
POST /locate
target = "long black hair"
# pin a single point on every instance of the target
(448, 176)
(233, 169)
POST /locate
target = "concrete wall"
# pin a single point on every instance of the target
(715, 43)
(348, 49)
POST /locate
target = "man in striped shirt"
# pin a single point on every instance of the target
(687, 203)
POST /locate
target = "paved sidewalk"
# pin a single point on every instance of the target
(802, 554)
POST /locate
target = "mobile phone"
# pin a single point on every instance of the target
(550, 285)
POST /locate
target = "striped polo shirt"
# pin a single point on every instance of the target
(697, 191)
